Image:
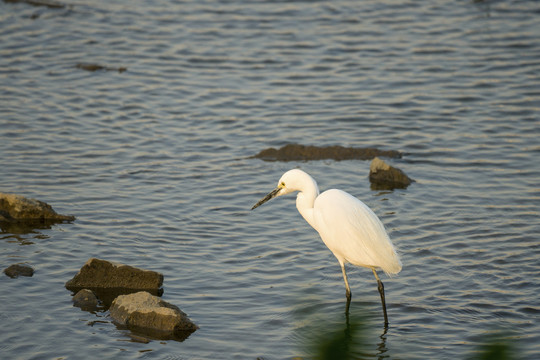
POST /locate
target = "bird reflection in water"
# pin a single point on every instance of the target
(351, 337)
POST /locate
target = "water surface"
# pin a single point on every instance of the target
(153, 162)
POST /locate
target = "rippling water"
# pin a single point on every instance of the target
(154, 163)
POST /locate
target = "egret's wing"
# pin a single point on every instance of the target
(353, 232)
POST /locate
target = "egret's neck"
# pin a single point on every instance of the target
(305, 200)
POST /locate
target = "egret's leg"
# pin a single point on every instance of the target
(348, 289)
(381, 291)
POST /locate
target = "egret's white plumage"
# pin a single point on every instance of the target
(353, 232)
(346, 225)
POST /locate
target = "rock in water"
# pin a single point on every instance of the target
(385, 177)
(16, 208)
(97, 273)
(86, 300)
(296, 152)
(46, 3)
(16, 270)
(147, 314)
(96, 67)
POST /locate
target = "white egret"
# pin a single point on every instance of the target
(346, 225)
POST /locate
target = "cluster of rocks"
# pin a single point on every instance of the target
(381, 175)
(132, 297)
(130, 294)
(20, 215)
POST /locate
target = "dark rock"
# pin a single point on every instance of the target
(20, 215)
(46, 3)
(90, 67)
(86, 300)
(26, 227)
(385, 177)
(295, 152)
(139, 339)
(16, 270)
(147, 314)
(96, 67)
(16, 208)
(97, 273)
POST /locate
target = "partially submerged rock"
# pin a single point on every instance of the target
(108, 279)
(107, 274)
(16, 208)
(46, 3)
(16, 270)
(86, 300)
(150, 315)
(385, 177)
(96, 67)
(295, 152)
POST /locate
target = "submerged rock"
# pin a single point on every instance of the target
(103, 274)
(46, 3)
(16, 208)
(96, 67)
(295, 152)
(385, 177)
(86, 300)
(16, 270)
(147, 314)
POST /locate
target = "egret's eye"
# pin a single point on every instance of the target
(282, 184)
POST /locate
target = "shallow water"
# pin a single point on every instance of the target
(154, 164)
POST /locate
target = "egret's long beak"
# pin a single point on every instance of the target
(270, 196)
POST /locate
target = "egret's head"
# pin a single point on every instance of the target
(290, 182)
